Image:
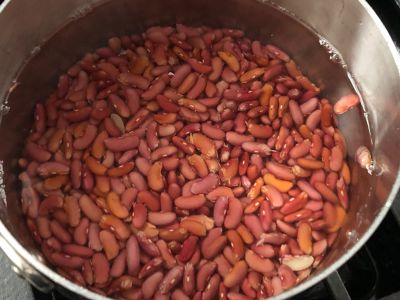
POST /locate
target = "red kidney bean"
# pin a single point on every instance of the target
(204, 274)
(220, 209)
(150, 285)
(123, 143)
(215, 247)
(313, 119)
(132, 255)
(190, 202)
(94, 239)
(300, 150)
(36, 152)
(233, 214)
(171, 279)
(274, 196)
(265, 215)
(155, 89)
(188, 249)
(180, 74)
(237, 139)
(77, 250)
(309, 106)
(217, 67)
(138, 181)
(253, 224)
(212, 132)
(280, 171)
(205, 185)
(90, 209)
(101, 268)
(161, 218)
(59, 232)
(306, 187)
(188, 279)
(118, 265)
(132, 99)
(81, 232)
(336, 160)
(66, 261)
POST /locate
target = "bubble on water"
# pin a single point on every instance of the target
(4, 109)
(352, 236)
(81, 11)
(35, 50)
(2, 186)
(334, 54)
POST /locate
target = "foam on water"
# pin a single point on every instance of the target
(82, 11)
(334, 54)
(2, 186)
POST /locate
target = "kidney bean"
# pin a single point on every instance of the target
(66, 261)
(190, 202)
(132, 99)
(280, 171)
(101, 268)
(274, 196)
(118, 265)
(254, 225)
(194, 227)
(326, 192)
(212, 132)
(214, 247)
(255, 262)
(300, 150)
(36, 152)
(236, 274)
(220, 208)
(77, 250)
(171, 279)
(205, 185)
(119, 228)
(161, 218)
(237, 139)
(233, 214)
(345, 103)
(49, 204)
(94, 239)
(336, 160)
(132, 255)
(180, 74)
(154, 89)
(59, 232)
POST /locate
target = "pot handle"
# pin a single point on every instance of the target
(23, 269)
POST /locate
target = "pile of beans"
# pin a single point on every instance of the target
(185, 163)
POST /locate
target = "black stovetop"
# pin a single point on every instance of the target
(373, 272)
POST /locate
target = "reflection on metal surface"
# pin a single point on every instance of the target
(337, 287)
(22, 268)
(377, 80)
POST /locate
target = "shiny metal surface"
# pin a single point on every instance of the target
(350, 26)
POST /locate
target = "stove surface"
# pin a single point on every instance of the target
(373, 273)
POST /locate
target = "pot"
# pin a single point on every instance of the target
(41, 38)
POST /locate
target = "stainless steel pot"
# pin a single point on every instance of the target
(30, 62)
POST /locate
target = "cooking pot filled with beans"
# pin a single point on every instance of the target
(233, 149)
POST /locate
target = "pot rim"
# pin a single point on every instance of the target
(43, 270)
